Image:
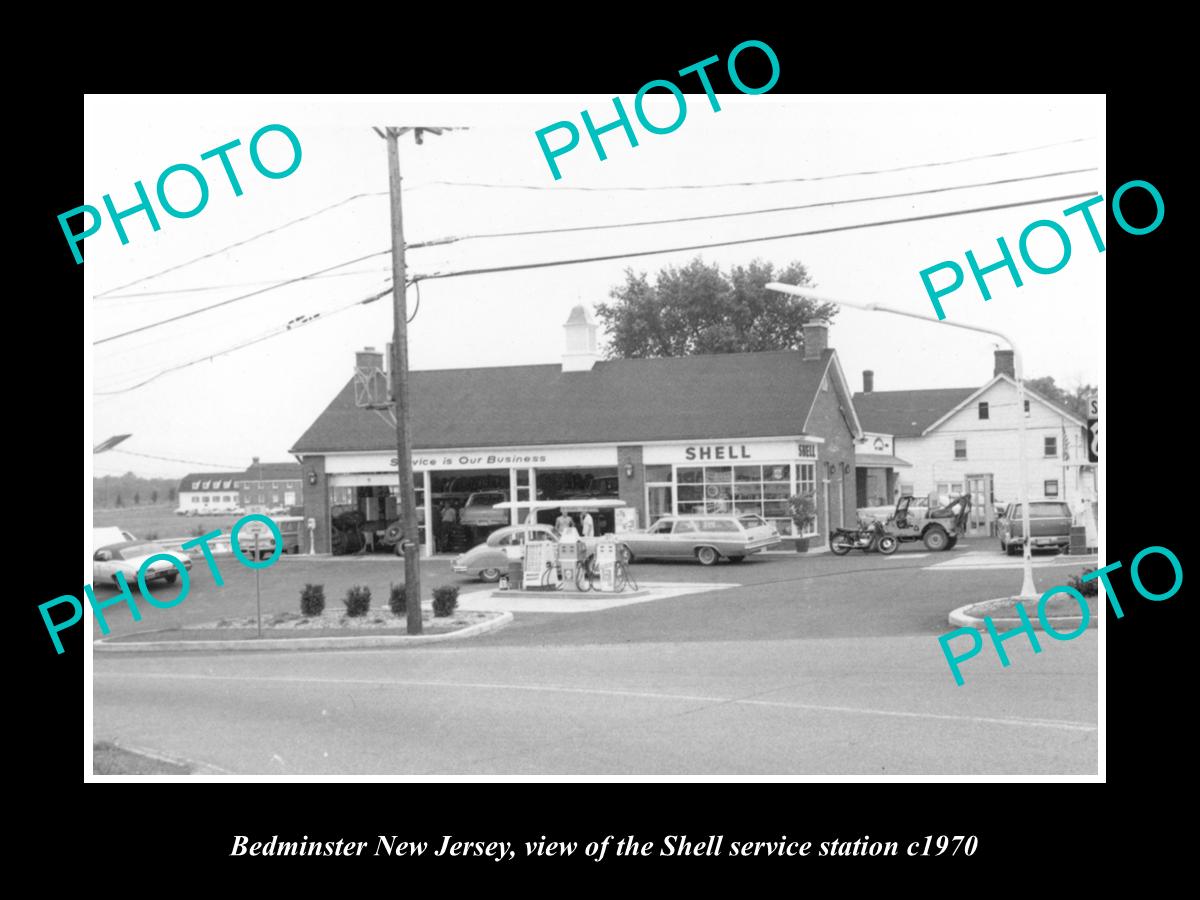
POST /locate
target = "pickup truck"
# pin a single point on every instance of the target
(1049, 522)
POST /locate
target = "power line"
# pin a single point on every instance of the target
(577, 228)
(291, 326)
(417, 279)
(753, 240)
(759, 212)
(692, 187)
(197, 462)
(202, 309)
(240, 243)
(234, 284)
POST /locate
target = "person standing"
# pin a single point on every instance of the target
(563, 522)
(589, 526)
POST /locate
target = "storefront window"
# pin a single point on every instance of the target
(760, 490)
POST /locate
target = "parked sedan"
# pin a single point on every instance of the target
(703, 538)
(489, 560)
(127, 558)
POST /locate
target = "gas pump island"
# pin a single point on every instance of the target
(569, 563)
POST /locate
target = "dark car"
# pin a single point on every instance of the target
(1050, 524)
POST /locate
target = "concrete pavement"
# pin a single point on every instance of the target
(795, 667)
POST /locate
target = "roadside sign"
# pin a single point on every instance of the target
(1093, 430)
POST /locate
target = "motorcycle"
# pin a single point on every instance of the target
(873, 537)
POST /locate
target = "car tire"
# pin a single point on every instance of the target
(888, 545)
(708, 556)
(172, 578)
(952, 542)
(936, 538)
(489, 575)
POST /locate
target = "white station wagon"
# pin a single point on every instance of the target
(704, 538)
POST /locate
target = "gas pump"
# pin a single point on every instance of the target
(541, 560)
(568, 559)
(606, 563)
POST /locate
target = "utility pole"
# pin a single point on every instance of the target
(408, 495)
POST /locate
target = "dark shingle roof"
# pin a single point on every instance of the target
(272, 471)
(185, 483)
(724, 395)
(907, 413)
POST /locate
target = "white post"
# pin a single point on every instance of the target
(430, 525)
(1028, 591)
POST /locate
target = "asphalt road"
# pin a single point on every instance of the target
(813, 666)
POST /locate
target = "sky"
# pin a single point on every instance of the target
(257, 401)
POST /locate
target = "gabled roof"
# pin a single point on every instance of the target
(907, 413)
(272, 471)
(203, 481)
(728, 395)
(1032, 395)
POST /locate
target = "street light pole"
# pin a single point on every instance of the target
(1028, 591)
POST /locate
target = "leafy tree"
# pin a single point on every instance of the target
(699, 309)
(1076, 402)
(120, 502)
(154, 496)
(171, 494)
(137, 498)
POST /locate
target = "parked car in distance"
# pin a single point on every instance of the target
(1050, 524)
(479, 511)
(127, 557)
(489, 560)
(703, 538)
(266, 540)
(105, 535)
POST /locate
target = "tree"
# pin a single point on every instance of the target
(137, 498)
(1076, 402)
(699, 309)
(120, 502)
(171, 494)
(153, 496)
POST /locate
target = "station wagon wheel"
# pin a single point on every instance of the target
(707, 556)
(492, 575)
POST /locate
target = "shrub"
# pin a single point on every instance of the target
(358, 601)
(396, 600)
(803, 510)
(312, 599)
(445, 599)
(1087, 588)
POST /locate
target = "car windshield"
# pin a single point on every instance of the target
(1043, 510)
(137, 550)
(485, 499)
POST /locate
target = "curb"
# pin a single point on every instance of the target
(961, 619)
(322, 643)
(197, 768)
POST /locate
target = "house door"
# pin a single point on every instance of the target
(980, 521)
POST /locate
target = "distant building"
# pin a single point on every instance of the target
(950, 441)
(206, 492)
(270, 485)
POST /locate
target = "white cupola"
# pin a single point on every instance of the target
(581, 353)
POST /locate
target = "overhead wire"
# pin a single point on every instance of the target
(447, 183)
(577, 228)
(197, 462)
(753, 240)
(291, 326)
(771, 181)
(417, 279)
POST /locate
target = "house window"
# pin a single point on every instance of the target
(1026, 407)
(1051, 488)
(983, 410)
(1050, 447)
(960, 449)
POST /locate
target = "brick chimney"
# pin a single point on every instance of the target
(816, 339)
(1004, 364)
(868, 381)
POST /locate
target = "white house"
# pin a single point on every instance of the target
(206, 492)
(956, 440)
